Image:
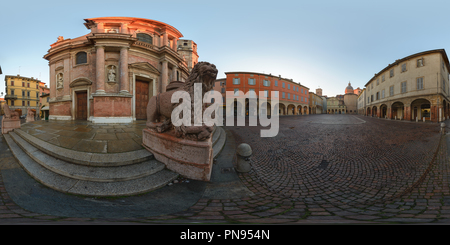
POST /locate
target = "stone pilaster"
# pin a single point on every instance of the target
(124, 80)
(100, 70)
(164, 75)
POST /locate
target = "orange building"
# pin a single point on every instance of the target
(293, 97)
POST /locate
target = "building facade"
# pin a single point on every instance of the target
(109, 75)
(22, 93)
(361, 102)
(412, 88)
(315, 103)
(350, 100)
(293, 97)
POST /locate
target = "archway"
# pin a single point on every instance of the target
(421, 108)
(383, 111)
(305, 110)
(368, 112)
(282, 109)
(291, 109)
(299, 110)
(398, 109)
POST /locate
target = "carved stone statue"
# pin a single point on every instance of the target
(60, 80)
(112, 74)
(159, 108)
(10, 120)
(8, 113)
(30, 115)
(60, 38)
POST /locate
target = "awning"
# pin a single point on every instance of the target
(45, 108)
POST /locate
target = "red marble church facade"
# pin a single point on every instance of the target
(109, 75)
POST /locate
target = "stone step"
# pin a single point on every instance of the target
(86, 158)
(87, 187)
(216, 135)
(91, 173)
(220, 142)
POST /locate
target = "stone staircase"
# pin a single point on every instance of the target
(94, 174)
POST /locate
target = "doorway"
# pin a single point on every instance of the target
(81, 105)
(142, 98)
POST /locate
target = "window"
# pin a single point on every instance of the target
(368, 99)
(284, 95)
(266, 93)
(251, 81)
(378, 81)
(420, 83)
(266, 83)
(12, 102)
(23, 103)
(37, 94)
(420, 62)
(289, 96)
(377, 95)
(276, 83)
(223, 90)
(12, 83)
(28, 103)
(236, 92)
(382, 94)
(302, 91)
(28, 85)
(12, 91)
(404, 67)
(371, 97)
(48, 99)
(391, 91)
(289, 86)
(282, 85)
(37, 86)
(145, 38)
(302, 99)
(391, 73)
(382, 78)
(23, 84)
(276, 93)
(28, 94)
(236, 81)
(81, 58)
(403, 87)
(23, 93)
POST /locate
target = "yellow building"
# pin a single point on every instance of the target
(22, 93)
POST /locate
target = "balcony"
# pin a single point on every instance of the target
(10, 97)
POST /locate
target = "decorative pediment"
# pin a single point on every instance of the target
(144, 66)
(81, 81)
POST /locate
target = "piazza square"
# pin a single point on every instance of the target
(135, 123)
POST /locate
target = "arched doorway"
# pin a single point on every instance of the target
(291, 109)
(368, 112)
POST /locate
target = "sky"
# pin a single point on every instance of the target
(319, 44)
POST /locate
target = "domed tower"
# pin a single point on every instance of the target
(349, 89)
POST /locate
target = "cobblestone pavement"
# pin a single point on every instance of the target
(321, 169)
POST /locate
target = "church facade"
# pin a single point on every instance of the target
(109, 75)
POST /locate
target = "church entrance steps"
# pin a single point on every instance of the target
(86, 158)
(69, 177)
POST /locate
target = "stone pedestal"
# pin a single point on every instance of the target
(9, 125)
(192, 159)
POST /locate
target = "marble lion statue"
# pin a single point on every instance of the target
(160, 107)
(10, 114)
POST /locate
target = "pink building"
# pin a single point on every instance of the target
(109, 75)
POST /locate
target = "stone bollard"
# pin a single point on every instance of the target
(442, 128)
(244, 152)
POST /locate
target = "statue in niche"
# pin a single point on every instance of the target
(60, 38)
(112, 74)
(59, 80)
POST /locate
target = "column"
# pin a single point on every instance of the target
(124, 83)
(174, 73)
(407, 113)
(165, 39)
(100, 70)
(164, 76)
